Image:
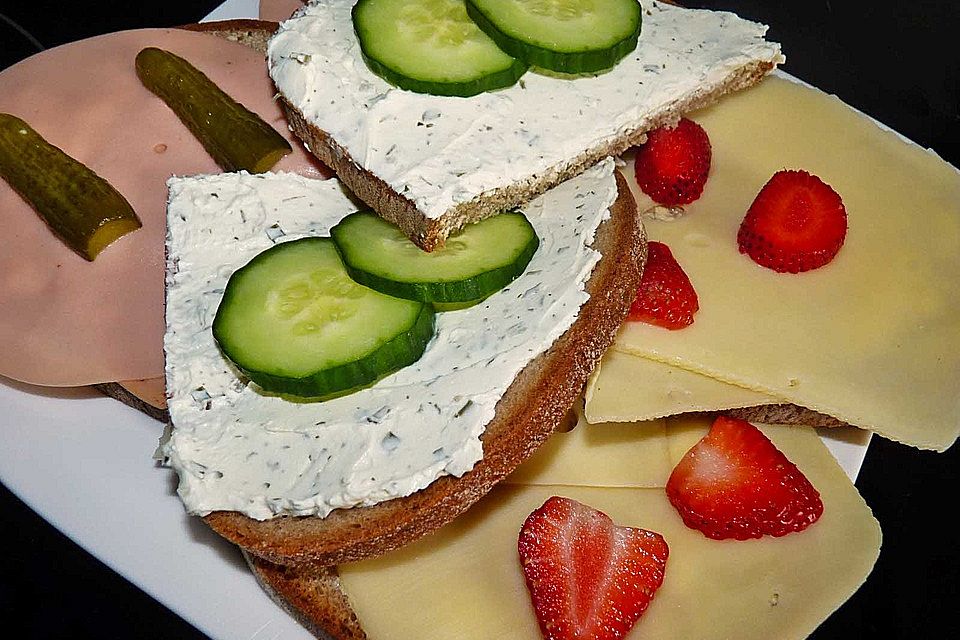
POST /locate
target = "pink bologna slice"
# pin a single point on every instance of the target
(68, 322)
(278, 10)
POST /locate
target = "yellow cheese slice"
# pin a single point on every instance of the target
(465, 581)
(615, 454)
(626, 388)
(873, 338)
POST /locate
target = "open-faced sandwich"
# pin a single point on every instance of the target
(356, 377)
(486, 144)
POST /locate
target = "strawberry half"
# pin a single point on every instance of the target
(735, 483)
(796, 223)
(665, 296)
(588, 578)
(672, 166)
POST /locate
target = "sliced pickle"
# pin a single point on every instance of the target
(79, 206)
(237, 138)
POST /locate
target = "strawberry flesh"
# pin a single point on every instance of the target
(665, 297)
(589, 579)
(735, 483)
(796, 223)
(673, 165)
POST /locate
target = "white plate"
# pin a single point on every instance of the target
(84, 463)
(101, 452)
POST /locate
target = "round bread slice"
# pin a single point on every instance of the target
(532, 407)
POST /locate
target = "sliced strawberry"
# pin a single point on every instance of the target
(796, 223)
(735, 483)
(672, 166)
(665, 296)
(589, 578)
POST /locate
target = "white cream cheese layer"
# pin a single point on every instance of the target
(443, 151)
(237, 449)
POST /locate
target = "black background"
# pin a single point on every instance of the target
(895, 62)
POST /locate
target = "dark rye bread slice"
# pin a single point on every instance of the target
(532, 407)
(311, 595)
(785, 414)
(430, 233)
(253, 33)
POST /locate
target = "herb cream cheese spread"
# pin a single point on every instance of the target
(238, 449)
(440, 152)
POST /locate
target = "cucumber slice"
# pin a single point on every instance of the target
(431, 46)
(479, 260)
(295, 323)
(570, 36)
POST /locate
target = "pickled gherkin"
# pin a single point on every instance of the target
(237, 138)
(79, 206)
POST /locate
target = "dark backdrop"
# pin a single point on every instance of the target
(895, 62)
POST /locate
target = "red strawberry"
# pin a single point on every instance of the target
(665, 296)
(796, 223)
(735, 483)
(589, 578)
(672, 166)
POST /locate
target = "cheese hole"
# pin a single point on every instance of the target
(569, 422)
(698, 240)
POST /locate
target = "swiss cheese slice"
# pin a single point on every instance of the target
(465, 581)
(627, 388)
(613, 454)
(873, 338)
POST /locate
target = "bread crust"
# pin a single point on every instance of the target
(311, 595)
(785, 414)
(533, 406)
(139, 401)
(253, 33)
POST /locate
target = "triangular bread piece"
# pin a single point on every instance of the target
(431, 164)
